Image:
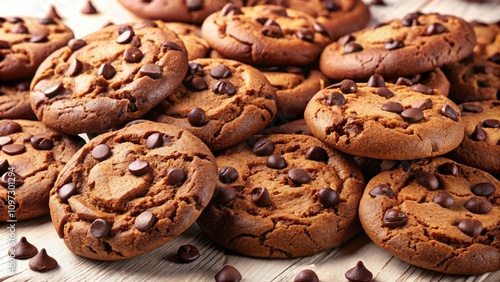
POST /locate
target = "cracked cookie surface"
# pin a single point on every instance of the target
(108, 78)
(395, 122)
(436, 214)
(129, 191)
(285, 196)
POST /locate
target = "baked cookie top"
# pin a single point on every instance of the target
(385, 121)
(15, 100)
(31, 157)
(108, 78)
(414, 44)
(265, 34)
(129, 191)
(190, 34)
(26, 41)
(436, 214)
(221, 101)
(488, 40)
(275, 196)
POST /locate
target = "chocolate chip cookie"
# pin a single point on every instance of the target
(436, 214)
(15, 100)
(129, 191)
(488, 40)
(480, 146)
(265, 34)
(26, 41)
(31, 157)
(221, 101)
(404, 47)
(385, 121)
(190, 34)
(108, 78)
(285, 196)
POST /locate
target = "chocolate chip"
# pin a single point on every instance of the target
(328, 197)
(260, 196)
(133, 55)
(11, 178)
(331, 6)
(15, 20)
(495, 58)
(223, 86)
(394, 218)
(75, 44)
(422, 104)
(228, 174)
(347, 86)
(299, 176)
(335, 98)
(101, 152)
(449, 112)
(376, 80)
(448, 169)
(52, 13)
(13, 149)
(263, 147)
(404, 81)
(483, 189)
(352, 47)
(196, 117)
(422, 89)
(197, 83)
(4, 140)
(470, 227)
(42, 142)
(479, 134)
(435, 28)
(8, 127)
(272, 30)
(154, 140)
(412, 115)
(359, 273)
(42, 262)
(138, 167)
(428, 180)
(89, 8)
(220, 71)
(126, 36)
(393, 107)
(66, 191)
(39, 38)
(4, 44)
(22, 249)
(393, 44)
(321, 29)
(491, 123)
(19, 28)
(411, 19)
(176, 176)
(444, 199)
(305, 34)
(135, 42)
(74, 68)
(472, 108)
(280, 11)
(194, 5)
(107, 71)
(276, 162)
(152, 70)
(306, 275)
(478, 205)
(169, 45)
(145, 221)
(188, 253)
(318, 154)
(346, 39)
(230, 9)
(382, 190)
(228, 274)
(384, 92)
(100, 228)
(53, 90)
(378, 2)
(224, 195)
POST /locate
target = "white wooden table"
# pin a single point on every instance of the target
(161, 264)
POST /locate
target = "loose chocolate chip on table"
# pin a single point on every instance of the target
(196, 117)
(263, 147)
(428, 180)
(13, 149)
(478, 205)
(359, 273)
(260, 196)
(101, 152)
(376, 80)
(133, 55)
(422, 89)
(335, 98)
(224, 195)
(316, 153)
(276, 161)
(228, 174)
(449, 112)
(89, 8)
(435, 28)
(483, 189)
(8, 127)
(75, 44)
(382, 190)
(152, 70)
(393, 107)
(23, 249)
(352, 47)
(443, 199)
(479, 134)
(42, 142)
(220, 71)
(145, 221)
(394, 218)
(448, 169)
(74, 68)
(328, 197)
(471, 227)
(299, 176)
(176, 176)
(100, 228)
(53, 90)
(7, 178)
(393, 44)
(188, 253)
(491, 123)
(305, 34)
(422, 104)
(66, 191)
(306, 275)
(384, 92)
(126, 36)
(138, 167)
(412, 115)
(228, 274)
(42, 262)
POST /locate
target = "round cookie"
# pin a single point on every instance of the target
(186, 11)
(265, 34)
(108, 78)
(404, 47)
(488, 40)
(480, 146)
(15, 100)
(196, 46)
(435, 214)
(129, 191)
(274, 200)
(395, 122)
(31, 157)
(435, 79)
(25, 42)
(221, 101)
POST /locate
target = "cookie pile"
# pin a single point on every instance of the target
(283, 128)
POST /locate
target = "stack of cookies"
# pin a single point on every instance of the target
(182, 111)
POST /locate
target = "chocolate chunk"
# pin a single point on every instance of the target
(346, 39)
(305, 34)
(359, 273)
(74, 68)
(478, 205)
(107, 71)
(331, 6)
(382, 190)
(404, 81)
(411, 19)
(422, 104)
(318, 154)
(328, 197)
(422, 89)
(11, 178)
(53, 90)
(197, 83)
(152, 70)
(188, 253)
(19, 28)
(428, 180)
(171, 46)
(101, 152)
(220, 71)
(176, 176)
(228, 274)
(100, 228)
(52, 13)
(448, 169)
(479, 134)
(42, 142)
(260, 196)
(224, 195)
(126, 36)
(393, 44)
(444, 199)
(194, 5)
(394, 218)
(335, 98)
(75, 44)
(435, 28)
(471, 108)
(321, 29)
(66, 191)
(135, 42)
(352, 47)
(133, 55)
(42, 262)
(378, 2)
(154, 140)
(4, 44)
(22, 249)
(393, 107)
(13, 149)
(470, 227)
(483, 189)
(376, 80)
(8, 127)
(412, 115)
(4, 140)
(228, 174)
(272, 30)
(138, 167)
(89, 8)
(230, 9)
(306, 275)
(276, 162)
(196, 117)
(347, 86)
(299, 176)
(39, 38)
(491, 123)
(263, 147)
(145, 221)
(224, 87)
(449, 112)
(384, 92)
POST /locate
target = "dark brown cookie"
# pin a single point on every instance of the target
(435, 214)
(25, 42)
(275, 198)
(15, 100)
(108, 78)
(31, 157)
(129, 191)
